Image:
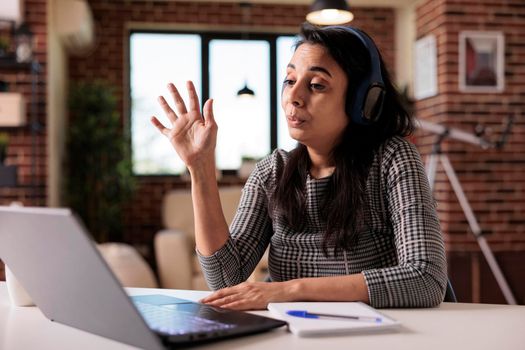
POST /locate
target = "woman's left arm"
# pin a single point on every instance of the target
(420, 276)
(257, 295)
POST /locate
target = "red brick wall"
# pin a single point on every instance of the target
(31, 189)
(143, 215)
(492, 179)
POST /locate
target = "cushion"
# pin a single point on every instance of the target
(177, 209)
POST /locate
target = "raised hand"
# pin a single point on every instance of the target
(192, 134)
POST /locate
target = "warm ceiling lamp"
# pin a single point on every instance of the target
(329, 12)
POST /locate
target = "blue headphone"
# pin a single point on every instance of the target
(370, 93)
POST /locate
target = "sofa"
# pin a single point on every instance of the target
(177, 263)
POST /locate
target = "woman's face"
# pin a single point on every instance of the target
(314, 97)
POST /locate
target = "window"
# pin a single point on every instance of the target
(244, 122)
(155, 59)
(219, 64)
(285, 45)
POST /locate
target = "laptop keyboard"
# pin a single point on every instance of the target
(171, 321)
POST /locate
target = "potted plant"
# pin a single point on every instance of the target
(99, 174)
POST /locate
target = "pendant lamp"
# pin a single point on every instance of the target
(329, 12)
(246, 20)
(245, 91)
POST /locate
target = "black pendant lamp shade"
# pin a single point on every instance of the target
(329, 12)
(245, 91)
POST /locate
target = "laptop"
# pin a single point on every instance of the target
(53, 257)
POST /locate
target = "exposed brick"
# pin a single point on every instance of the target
(31, 189)
(492, 179)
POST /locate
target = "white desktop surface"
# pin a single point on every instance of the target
(450, 326)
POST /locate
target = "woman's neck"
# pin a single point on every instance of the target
(322, 163)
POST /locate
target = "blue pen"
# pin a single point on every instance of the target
(315, 315)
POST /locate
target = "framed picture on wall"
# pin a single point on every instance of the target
(425, 67)
(481, 61)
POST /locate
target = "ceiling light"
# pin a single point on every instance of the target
(329, 12)
(245, 91)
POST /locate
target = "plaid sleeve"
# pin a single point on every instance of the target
(419, 279)
(250, 233)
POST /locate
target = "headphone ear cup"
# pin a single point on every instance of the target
(369, 95)
(373, 103)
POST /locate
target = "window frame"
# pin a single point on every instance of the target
(207, 35)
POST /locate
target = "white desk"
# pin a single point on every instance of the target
(451, 326)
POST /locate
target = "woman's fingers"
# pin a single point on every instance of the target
(235, 305)
(159, 126)
(243, 296)
(208, 112)
(221, 294)
(228, 299)
(167, 109)
(179, 102)
(194, 107)
(194, 99)
(215, 296)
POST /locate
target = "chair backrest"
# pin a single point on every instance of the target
(450, 296)
(177, 208)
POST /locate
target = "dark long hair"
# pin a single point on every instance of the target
(346, 199)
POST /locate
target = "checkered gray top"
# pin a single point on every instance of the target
(400, 253)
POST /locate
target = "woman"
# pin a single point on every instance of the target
(348, 214)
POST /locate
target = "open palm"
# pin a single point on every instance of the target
(192, 134)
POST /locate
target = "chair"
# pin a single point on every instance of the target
(177, 264)
(450, 296)
(128, 265)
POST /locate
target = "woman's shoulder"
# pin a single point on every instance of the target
(276, 157)
(268, 168)
(398, 147)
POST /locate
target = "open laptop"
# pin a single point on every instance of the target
(51, 254)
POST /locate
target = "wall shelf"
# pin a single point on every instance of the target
(10, 63)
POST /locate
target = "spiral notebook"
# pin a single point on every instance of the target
(308, 319)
